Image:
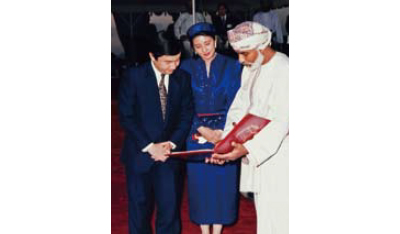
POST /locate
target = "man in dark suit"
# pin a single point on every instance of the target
(156, 110)
(223, 21)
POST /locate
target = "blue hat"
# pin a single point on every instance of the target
(201, 28)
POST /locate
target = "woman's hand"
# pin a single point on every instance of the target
(210, 135)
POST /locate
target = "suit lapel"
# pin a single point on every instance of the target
(154, 92)
(172, 89)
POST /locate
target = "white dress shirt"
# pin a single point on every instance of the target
(166, 82)
(158, 76)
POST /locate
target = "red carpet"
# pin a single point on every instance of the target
(119, 209)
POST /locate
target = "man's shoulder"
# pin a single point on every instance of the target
(137, 71)
(186, 64)
(139, 67)
(280, 66)
(181, 74)
(281, 59)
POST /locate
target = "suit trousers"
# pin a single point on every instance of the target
(162, 186)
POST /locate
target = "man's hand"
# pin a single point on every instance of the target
(238, 151)
(158, 151)
(210, 135)
(214, 161)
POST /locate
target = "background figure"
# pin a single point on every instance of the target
(223, 21)
(269, 19)
(286, 45)
(116, 66)
(152, 129)
(207, 16)
(287, 27)
(282, 13)
(144, 35)
(116, 46)
(161, 20)
(213, 189)
(135, 33)
(182, 24)
(171, 28)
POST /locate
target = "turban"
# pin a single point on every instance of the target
(201, 28)
(249, 36)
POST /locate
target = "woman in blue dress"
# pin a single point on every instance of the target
(213, 189)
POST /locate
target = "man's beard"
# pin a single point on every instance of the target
(257, 64)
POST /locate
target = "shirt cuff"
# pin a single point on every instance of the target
(146, 149)
(172, 144)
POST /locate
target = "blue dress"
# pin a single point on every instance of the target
(213, 189)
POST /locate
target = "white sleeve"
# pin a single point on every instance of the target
(267, 142)
(238, 108)
(200, 17)
(235, 114)
(146, 149)
(172, 144)
(177, 26)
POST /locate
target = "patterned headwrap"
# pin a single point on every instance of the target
(249, 36)
(201, 27)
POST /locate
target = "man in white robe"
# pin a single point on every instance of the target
(264, 92)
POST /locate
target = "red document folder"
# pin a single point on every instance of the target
(183, 154)
(243, 131)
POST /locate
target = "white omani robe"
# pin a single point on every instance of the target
(267, 174)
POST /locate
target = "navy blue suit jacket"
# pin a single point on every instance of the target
(141, 117)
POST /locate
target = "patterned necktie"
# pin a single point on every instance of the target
(163, 95)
